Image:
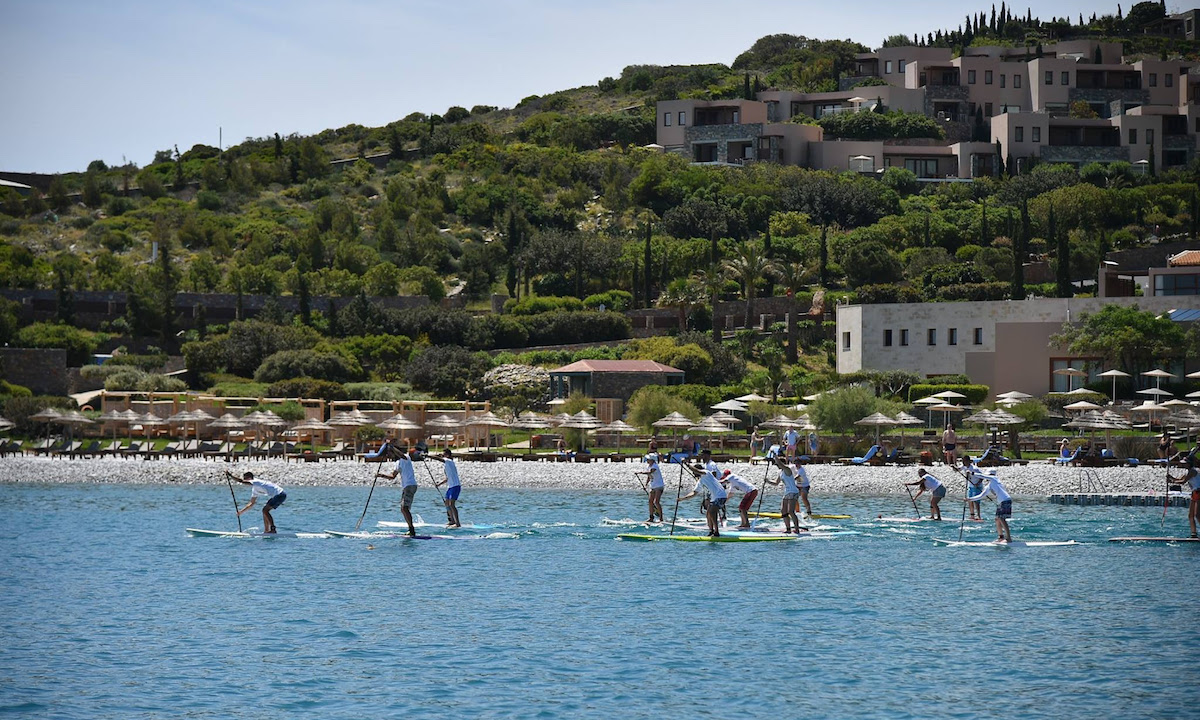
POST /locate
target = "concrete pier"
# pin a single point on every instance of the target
(1128, 500)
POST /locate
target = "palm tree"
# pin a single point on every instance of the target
(713, 281)
(791, 276)
(684, 296)
(748, 266)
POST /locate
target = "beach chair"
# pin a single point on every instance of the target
(1068, 459)
(69, 449)
(132, 450)
(869, 457)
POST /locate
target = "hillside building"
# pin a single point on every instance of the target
(997, 106)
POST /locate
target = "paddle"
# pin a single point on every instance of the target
(763, 492)
(912, 500)
(229, 482)
(645, 490)
(966, 502)
(1166, 496)
(678, 492)
(358, 524)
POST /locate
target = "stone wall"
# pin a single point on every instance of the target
(42, 371)
(1084, 154)
(722, 134)
(623, 385)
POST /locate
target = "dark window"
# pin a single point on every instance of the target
(667, 119)
(1019, 134)
(887, 338)
(952, 336)
(1133, 136)
(1176, 285)
(682, 118)
(1066, 77)
(987, 77)
(1168, 79)
(987, 109)
(1016, 80)
(902, 64)
(1149, 136)
(978, 339)
(932, 336)
(1037, 134)
(1049, 77)
(1153, 79)
(904, 338)
(845, 341)
(970, 77)
(1001, 79)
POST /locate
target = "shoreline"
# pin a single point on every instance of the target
(1030, 480)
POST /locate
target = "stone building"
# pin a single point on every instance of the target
(611, 378)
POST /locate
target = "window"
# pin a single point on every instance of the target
(978, 336)
(1149, 136)
(952, 336)
(845, 341)
(1133, 136)
(970, 77)
(901, 65)
(1153, 79)
(887, 67)
(1019, 134)
(737, 117)
(887, 338)
(1176, 285)
(987, 109)
(1168, 79)
(1016, 80)
(667, 119)
(1037, 134)
(987, 77)
(1002, 79)
(904, 338)
(682, 118)
(1066, 77)
(1049, 77)
(932, 336)
(922, 168)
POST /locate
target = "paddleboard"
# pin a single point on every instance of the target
(1138, 538)
(197, 532)
(401, 524)
(758, 537)
(384, 536)
(907, 519)
(803, 533)
(1016, 543)
(777, 516)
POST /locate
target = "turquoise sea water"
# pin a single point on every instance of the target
(108, 610)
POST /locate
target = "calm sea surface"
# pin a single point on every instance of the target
(109, 610)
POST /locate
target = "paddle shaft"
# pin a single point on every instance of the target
(374, 480)
(766, 473)
(644, 488)
(1166, 495)
(229, 482)
(912, 500)
(966, 502)
(678, 492)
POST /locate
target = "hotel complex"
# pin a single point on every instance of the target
(1017, 100)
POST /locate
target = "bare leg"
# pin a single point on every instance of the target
(412, 531)
(999, 528)
(1007, 530)
(656, 504)
(452, 509)
(934, 510)
(711, 514)
(786, 512)
(804, 498)
(268, 521)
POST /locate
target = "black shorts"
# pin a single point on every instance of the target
(1004, 509)
(276, 501)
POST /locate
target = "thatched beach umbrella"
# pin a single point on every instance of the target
(313, 426)
(228, 422)
(876, 420)
(487, 420)
(619, 427)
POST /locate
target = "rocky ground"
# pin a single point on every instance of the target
(1033, 479)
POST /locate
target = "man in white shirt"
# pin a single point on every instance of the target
(936, 489)
(453, 487)
(261, 488)
(717, 496)
(653, 473)
(791, 494)
(408, 487)
(1003, 506)
(736, 484)
(790, 438)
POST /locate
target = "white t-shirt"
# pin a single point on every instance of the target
(738, 484)
(802, 476)
(404, 468)
(1194, 481)
(451, 473)
(709, 483)
(711, 467)
(993, 486)
(656, 478)
(787, 475)
(262, 487)
(931, 483)
(791, 437)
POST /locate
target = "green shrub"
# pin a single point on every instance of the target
(383, 355)
(447, 371)
(838, 410)
(975, 393)
(236, 388)
(79, 344)
(562, 327)
(385, 392)
(974, 291)
(18, 408)
(307, 387)
(887, 293)
(653, 402)
(613, 301)
(290, 410)
(251, 342)
(7, 389)
(534, 304)
(307, 363)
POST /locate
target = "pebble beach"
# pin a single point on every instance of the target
(1037, 478)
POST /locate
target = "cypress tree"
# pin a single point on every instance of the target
(201, 321)
(66, 299)
(746, 87)
(304, 298)
(647, 262)
(1063, 253)
(1020, 245)
(331, 314)
(984, 239)
(823, 270)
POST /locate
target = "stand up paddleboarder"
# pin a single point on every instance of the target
(261, 488)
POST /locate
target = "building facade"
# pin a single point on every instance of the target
(998, 107)
(1004, 345)
(611, 378)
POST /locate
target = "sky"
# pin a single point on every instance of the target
(117, 80)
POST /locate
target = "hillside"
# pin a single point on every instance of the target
(557, 198)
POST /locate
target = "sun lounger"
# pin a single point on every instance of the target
(869, 457)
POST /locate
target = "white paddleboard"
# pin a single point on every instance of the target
(1142, 538)
(197, 532)
(907, 519)
(998, 544)
(417, 524)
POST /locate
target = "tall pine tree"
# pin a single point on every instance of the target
(1062, 254)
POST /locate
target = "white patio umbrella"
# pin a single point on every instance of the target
(751, 397)
(488, 419)
(946, 409)
(1156, 392)
(1114, 374)
(876, 420)
(1071, 373)
(1014, 395)
(731, 406)
(1081, 405)
(949, 395)
(725, 418)
(1193, 375)
(583, 421)
(1158, 374)
(619, 427)
(6, 424)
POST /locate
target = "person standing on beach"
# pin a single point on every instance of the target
(791, 494)
(790, 439)
(408, 487)
(653, 474)
(1003, 506)
(453, 487)
(261, 488)
(733, 483)
(949, 442)
(1192, 478)
(936, 489)
(717, 496)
